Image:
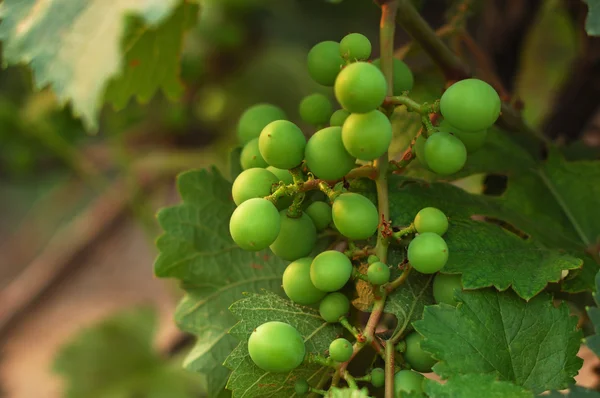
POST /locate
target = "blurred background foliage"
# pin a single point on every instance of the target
(238, 53)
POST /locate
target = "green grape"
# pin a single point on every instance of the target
(372, 259)
(282, 175)
(297, 237)
(251, 157)
(360, 87)
(367, 136)
(297, 284)
(320, 213)
(276, 347)
(256, 118)
(334, 306)
(325, 62)
(419, 149)
(444, 286)
(340, 350)
(408, 381)
(355, 47)
(252, 183)
(301, 387)
(403, 77)
(355, 216)
(414, 355)
(470, 105)
(339, 117)
(428, 253)
(282, 144)
(255, 224)
(326, 156)
(430, 219)
(316, 109)
(445, 153)
(378, 273)
(377, 377)
(330, 270)
(472, 140)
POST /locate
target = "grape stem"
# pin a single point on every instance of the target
(359, 275)
(413, 106)
(399, 281)
(321, 360)
(404, 231)
(317, 391)
(350, 380)
(390, 369)
(357, 335)
(355, 253)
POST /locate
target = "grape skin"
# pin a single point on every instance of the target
(316, 109)
(378, 273)
(378, 377)
(256, 118)
(334, 306)
(445, 154)
(320, 213)
(255, 224)
(430, 219)
(355, 216)
(330, 270)
(325, 62)
(355, 46)
(326, 156)
(470, 105)
(360, 87)
(296, 239)
(340, 350)
(276, 347)
(251, 157)
(339, 117)
(282, 144)
(471, 140)
(403, 77)
(408, 381)
(252, 183)
(444, 286)
(428, 253)
(367, 136)
(414, 355)
(297, 284)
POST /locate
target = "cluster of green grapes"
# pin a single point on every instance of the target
(275, 211)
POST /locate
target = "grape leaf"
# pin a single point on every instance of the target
(248, 380)
(197, 249)
(592, 22)
(74, 46)
(593, 341)
(475, 386)
(152, 58)
(574, 392)
(116, 358)
(532, 344)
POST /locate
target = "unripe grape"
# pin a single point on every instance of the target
(282, 144)
(320, 213)
(414, 355)
(444, 286)
(408, 381)
(378, 273)
(355, 216)
(297, 284)
(252, 183)
(334, 306)
(367, 136)
(430, 219)
(325, 62)
(256, 118)
(330, 270)
(470, 105)
(360, 87)
(428, 253)
(340, 350)
(355, 47)
(339, 117)
(326, 156)
(419, 149)
(403, 77)
(282, 175)
(372, 259)
(296, 239)
(251, 157)
(316, 109)
(301, 387)
(445, 154)
(471, 140)
(255, 224)
(377, 377)
(276, 347)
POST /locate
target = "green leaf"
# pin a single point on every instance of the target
(152, 57)
(475, 386)
(197, 249)
(533, 344)
(592, 22)
(116, 359)
(75, 47)
(247, 380)
(574, 392)
(593, 341)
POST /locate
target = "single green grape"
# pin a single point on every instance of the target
(378, 273)
(301, 387)
(255, 224)
(428, 253)
(251, 157)
(430, 219)
(377, 377)
(297, 284)
(355, 216)
(419, 149)
(330, 270)
(276, 347)
(256, 118)
(340, 350)
(360, 87)
(355, 46)
(470, 105)
(252, 183)
(334, 306)
(408, 381)
(472, 140)
(372, 259)
(297, 237)
(339, 117)
(445, 153)
(320, 213)
(282, 144)
(325, 62)
(414, 355)
(403, 77)
(316, 109)
(282, 175)
(367, 136)
(326, 156)
(444, 286)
